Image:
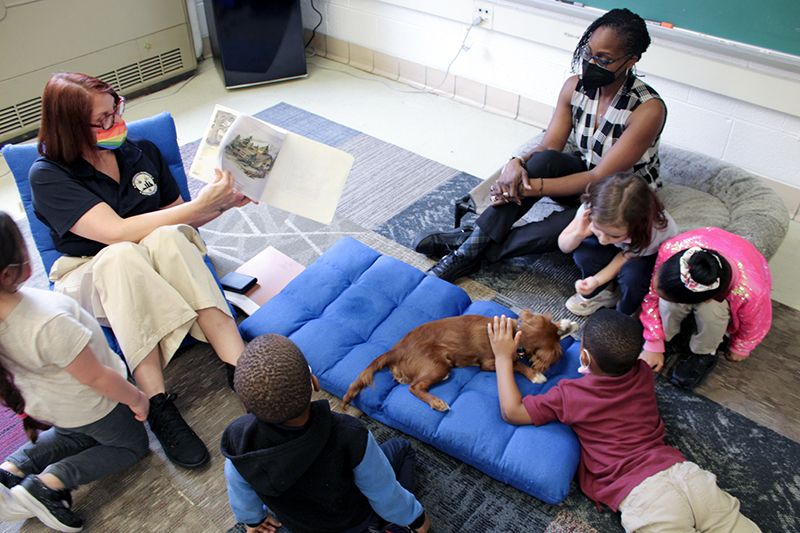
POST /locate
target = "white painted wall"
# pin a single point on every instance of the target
(429, 32)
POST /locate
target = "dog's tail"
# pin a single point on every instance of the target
(364, 379)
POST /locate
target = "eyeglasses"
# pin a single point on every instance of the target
(586, 53)
(108, 121)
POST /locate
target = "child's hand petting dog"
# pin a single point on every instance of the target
(502, 338)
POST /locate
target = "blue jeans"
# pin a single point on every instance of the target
(79, 455)
(633, 280)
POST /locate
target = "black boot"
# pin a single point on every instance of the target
(436, 244)
(181, 444)
(463, 261)
(691, 370)
(454, 265)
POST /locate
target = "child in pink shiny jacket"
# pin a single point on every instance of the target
(720, 279)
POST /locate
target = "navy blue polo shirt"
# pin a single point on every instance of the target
(62, 194)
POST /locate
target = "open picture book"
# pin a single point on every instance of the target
(272, 165)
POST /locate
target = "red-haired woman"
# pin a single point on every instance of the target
(132, 255)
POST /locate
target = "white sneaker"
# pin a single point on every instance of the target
(10, 509)
(582, 306)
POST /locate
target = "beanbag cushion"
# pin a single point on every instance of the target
(353, 304)
(698, 191)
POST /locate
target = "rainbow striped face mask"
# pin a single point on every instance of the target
(112, 138)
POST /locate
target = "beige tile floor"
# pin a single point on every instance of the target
(452, 133)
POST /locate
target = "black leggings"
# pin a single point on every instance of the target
(535, 237)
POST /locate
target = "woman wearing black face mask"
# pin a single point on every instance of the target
(616, 120)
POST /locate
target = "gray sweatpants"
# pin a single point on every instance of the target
(79, 455)
(711, 318)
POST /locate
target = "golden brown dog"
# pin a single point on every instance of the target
(426, 354)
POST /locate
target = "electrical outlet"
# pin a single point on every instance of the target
(485, 12)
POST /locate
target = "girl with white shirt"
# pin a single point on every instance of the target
(614, 239)
(56, 369)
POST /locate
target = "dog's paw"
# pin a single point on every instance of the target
(439, 405)
(567, 327)
(538, 378)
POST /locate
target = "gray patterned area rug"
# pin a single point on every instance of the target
(390, 196)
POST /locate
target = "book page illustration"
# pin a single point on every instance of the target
(273, 166)
(248, 151)
(205, 159)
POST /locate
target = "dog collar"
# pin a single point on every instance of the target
(520, 348)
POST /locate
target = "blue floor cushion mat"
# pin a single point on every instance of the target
(353, 304)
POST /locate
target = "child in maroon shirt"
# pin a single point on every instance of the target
(625, 463)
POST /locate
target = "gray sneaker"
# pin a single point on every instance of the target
(582, 306)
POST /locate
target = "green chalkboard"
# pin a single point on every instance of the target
(773, 24)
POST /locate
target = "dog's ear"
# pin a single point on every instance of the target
(525, 315)
(545, 356)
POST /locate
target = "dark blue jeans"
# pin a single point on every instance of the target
(633, 280)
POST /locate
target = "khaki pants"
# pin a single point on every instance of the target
(711, 318)
(681, 499)
(147, 292)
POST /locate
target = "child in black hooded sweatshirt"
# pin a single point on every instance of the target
(293, 462)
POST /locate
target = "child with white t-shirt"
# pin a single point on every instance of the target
(56, 366)
(614, 239)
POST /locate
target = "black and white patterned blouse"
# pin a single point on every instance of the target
(593, 143)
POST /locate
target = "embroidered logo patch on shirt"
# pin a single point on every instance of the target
(145, 184)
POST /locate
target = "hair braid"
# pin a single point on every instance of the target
(630, 27)
(12, 398)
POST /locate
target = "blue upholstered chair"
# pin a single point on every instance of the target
(159, 129)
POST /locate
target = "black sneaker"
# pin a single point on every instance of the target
(724, 348)
(9, 480)
(180, 443)
(690, 371)
(436, 244)
(453, 266)
(11, 510)
(52, 507)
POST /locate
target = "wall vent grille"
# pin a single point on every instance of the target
(29, 112)
(9, 120)
(20, 115)
(134, 74)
